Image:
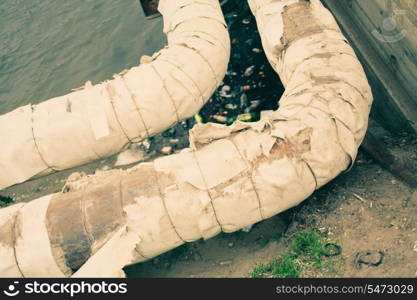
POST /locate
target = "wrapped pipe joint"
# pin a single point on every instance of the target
(231, 177)
(100, 120)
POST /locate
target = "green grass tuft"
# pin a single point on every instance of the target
(306, 251)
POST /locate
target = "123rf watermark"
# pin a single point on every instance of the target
(389, 25)
(71, 289)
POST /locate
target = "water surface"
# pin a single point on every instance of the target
(48, 47)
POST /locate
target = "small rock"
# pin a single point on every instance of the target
(146, 144)
(246, 21)
(73, 182)
(230, 245)
(167, 150)
(226, 263)
(256, 50)
(129, 156)
(105, 168)
(145, 59)
(75, 176)
(247, 228)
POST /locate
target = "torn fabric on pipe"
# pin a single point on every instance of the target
(230, 178)
(97, 121)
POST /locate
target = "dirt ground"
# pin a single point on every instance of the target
(363, 210)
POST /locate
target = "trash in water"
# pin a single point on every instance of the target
(231, 106)
(221, 119)
(167, 150)
(250, 85)
(198, 119)
(243, 100)
(249, 71)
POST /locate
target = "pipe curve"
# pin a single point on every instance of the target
(100, 120)
(231, 177)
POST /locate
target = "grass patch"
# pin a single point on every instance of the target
(283, 266)
(307, 251)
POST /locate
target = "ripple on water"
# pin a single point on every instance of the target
(49, 47)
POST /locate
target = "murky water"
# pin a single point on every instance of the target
(48, 47)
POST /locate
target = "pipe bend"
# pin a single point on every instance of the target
(231, 177)
(97, 121)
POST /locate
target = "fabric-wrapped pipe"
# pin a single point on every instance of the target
(231, 177)
(100, 120)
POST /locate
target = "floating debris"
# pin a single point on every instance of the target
(167, 150)
(249, 71)
(221, 119)
(250, 84)
(231, 106)
(198, 119)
